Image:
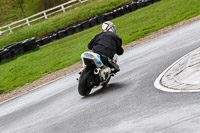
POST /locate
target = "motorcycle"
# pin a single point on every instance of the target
(93, 73)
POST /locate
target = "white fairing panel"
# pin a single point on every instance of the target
(92, 56)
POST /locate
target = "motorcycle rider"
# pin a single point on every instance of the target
(107, 43)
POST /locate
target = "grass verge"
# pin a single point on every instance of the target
(62, 53)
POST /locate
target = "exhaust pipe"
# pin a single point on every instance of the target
(97, 70)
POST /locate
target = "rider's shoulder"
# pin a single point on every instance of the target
(99, 33)
(115, 35)
(110, 34)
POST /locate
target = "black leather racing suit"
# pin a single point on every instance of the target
(107, 44)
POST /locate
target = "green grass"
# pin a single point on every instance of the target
(38, 30)
(62, 53)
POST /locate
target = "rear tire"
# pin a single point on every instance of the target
(85, 86)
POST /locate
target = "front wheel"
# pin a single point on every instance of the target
(86, 82)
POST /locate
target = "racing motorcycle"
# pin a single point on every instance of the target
(93, 73)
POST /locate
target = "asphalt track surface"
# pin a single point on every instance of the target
(129, 104)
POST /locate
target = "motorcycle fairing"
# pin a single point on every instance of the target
(90, 57)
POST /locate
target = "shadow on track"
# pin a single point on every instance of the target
(103, 90)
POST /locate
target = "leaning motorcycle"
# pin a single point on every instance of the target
(93, 73)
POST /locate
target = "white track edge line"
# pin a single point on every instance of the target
(163, 88)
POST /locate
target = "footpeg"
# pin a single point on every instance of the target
(112, 74)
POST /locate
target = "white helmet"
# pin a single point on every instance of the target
(108, 26)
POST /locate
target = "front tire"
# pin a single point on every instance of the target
(85, 82)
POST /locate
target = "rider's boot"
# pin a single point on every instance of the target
(115, 66)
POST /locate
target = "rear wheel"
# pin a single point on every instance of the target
(86, 82)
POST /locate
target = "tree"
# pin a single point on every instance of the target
(20, 2)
